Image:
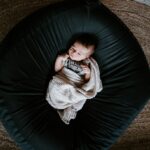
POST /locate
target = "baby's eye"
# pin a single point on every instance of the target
(73, 49)
(79, 54)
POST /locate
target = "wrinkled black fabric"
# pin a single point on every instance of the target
(27, 57)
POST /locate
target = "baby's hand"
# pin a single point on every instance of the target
(86, 69)
(64, 56)
(87, 72)
(59, 63)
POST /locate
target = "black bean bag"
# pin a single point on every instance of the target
(27, 57)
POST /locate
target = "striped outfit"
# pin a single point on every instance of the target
(74, 66)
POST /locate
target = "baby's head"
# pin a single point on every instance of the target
(82, 47)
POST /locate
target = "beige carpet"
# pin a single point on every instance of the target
(136, 16)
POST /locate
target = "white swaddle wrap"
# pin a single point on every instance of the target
(67, 91)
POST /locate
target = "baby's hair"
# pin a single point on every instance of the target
(86, 39)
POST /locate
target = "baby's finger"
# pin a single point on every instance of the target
(86, 70)
(67, 55)
(84, 66)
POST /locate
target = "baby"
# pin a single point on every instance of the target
(80, 50)
(77, 78)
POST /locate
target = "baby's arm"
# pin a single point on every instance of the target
(87, 71)
(59, 62)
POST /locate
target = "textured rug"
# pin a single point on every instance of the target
(136, 16)
(146, 2)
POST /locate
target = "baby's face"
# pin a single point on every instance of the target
(79, 52)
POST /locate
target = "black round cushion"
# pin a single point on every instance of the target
(27, 57)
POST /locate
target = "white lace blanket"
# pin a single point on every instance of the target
(67, 92)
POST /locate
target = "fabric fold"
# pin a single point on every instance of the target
(67, 92)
